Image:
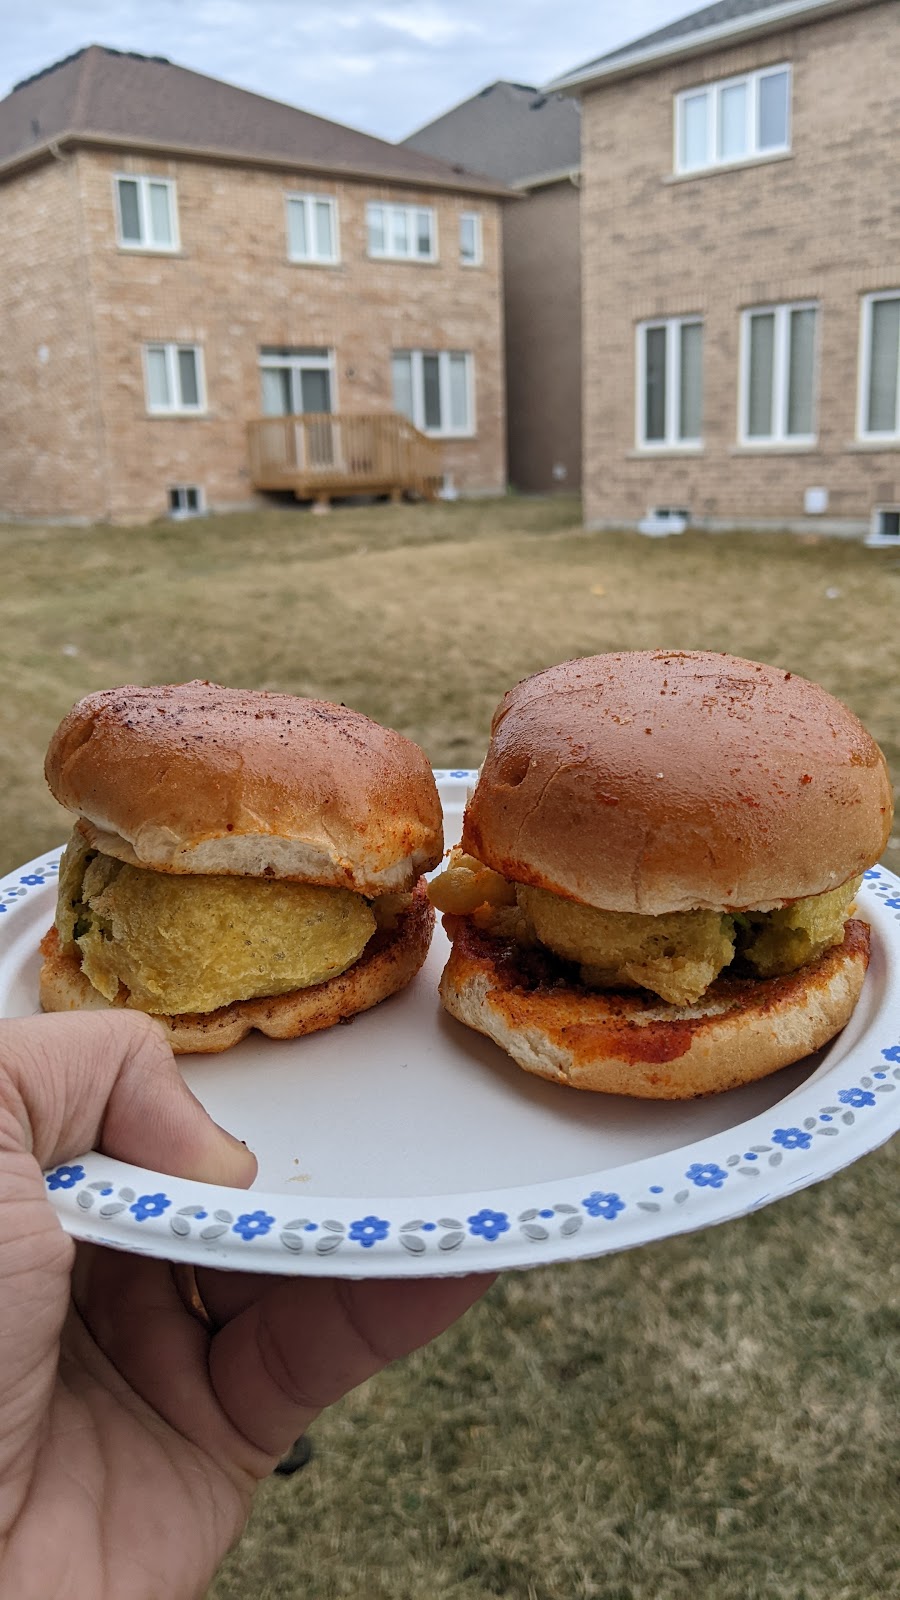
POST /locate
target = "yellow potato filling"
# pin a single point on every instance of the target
(192, 943)
(676, 955)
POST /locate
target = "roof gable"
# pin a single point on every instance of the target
(511, 131)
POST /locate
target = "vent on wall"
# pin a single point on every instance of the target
(885, 529)
(186, 500)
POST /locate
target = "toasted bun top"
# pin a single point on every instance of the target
(194, 777)
(656, 781)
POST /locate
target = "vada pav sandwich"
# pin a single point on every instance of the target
(654, 891)
(240, 860)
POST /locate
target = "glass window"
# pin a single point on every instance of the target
(315, 389)
(158, 398)
(295, 380)
(881, 365)
(312, 228)
(434, 388)
(174, 378)
(324, 230)
(401, 233)
(670, 380)
(146, 213)
(470, 238)
(188, 385)
(779, 377)
(733, 119)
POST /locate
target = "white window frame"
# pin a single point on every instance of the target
(417, 374)
(780, 377)
(145, 243)
(477, 259)
(672, 441)
(180, 512)
(308, 202)
(390, 210)
(172, 350)
(866, 435)
(714, 92)
(297, 364)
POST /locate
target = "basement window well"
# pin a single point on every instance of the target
(186, 500)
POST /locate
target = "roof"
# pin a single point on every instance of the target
(130, 100)
(511, 131)
(711, 27)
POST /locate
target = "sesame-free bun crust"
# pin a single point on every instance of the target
(389, 962)
(629, 1043)
(196, 778)
(670, 781)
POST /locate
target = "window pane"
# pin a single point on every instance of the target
(276, 391)
(423, 233)
(160, 214)
(315, 390)
(773, 110)
(655, 384)
(188, 380)
(298, 242)
(157, 379)
(762, 367)
(129, 211)
(431, 383)
(733, 103)
(377, 241)
(401, 371)
(399, 231)
(691, 395)
(694, 137)
(459, 393)
(884, 349)
(801, 371)
(468, 237)
(324, 241)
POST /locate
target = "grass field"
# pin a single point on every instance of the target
(711, 1417)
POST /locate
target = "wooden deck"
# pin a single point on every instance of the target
(321, 455)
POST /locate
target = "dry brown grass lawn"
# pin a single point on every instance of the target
(710, 1419)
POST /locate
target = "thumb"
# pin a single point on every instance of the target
(107, 1080)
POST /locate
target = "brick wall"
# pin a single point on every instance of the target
(822, 224)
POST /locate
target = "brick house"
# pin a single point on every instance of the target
(530, 141)
(741, 269)
(181, 257)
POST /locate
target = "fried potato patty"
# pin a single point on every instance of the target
(191, 943)
(676, 955)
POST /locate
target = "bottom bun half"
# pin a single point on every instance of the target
(389, 962)
(629, 1043)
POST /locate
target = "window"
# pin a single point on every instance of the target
(670, 383)
(295, 381)
(778, 366)
(312, 228)
(470, 253)
(147, 213)
(733, 120)
(879, 389)
(434, 389)
(186, 500)
(401, 233)
(174, 378)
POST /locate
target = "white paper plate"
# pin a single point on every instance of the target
(405, 1145)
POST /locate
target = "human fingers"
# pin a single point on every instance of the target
(301, 1345)
(75, 1081)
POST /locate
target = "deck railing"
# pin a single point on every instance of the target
(324, 453)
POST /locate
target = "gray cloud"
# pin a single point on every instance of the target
(383, 65)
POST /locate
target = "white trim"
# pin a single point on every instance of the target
(181, 513)
(173, 381)
(865, 435)
(145, 243)
(417, 381)
(411, 212)
(700, 40)
(298, 362)
(779, 436)
(476, 260)
(309, 200)
(713, 92)
(542, 180)
(673, 440)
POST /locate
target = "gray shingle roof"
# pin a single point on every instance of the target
(709, 17)
(510, 131)
(121, 95)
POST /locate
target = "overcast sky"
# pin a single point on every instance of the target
(386, 66)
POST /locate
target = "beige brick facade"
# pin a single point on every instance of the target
(819, 224)
(77, 439)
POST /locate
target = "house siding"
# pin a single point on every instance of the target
(822, 224)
